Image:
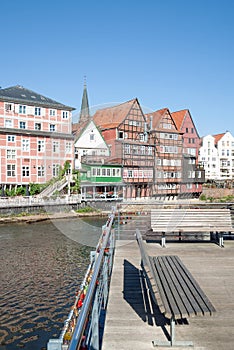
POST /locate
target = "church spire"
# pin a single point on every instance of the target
(84, 111)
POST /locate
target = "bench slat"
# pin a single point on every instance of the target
(200, 295)
(170, 289)
(182, 288)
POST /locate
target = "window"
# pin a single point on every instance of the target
(150, 150)
(56, 168)
(8, 123)
(127, 149)
(65, 114)
(11, 153)
(11, 170)
(55, 146)
(192, 130)
(11, 138)
(22, 125)
(8, 107)
(108, 172)
(25, 171)
(41, 145)
(52, 127)
(37, 126)
(120, 135)
(186, 130)
(25, 145)
(22, 109)
(103, 172)
(142, 149)
(142, 137)
(41, 171)
(91, 137)
(68, 147)
(37, 111)
(52, 112)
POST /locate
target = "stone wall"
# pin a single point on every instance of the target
(218, 192)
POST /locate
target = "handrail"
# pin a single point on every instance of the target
(80, 326)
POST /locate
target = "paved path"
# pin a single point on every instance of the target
(132, 322)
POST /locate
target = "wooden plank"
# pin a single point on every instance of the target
(196, 290)
(194, 308)
(185, 297)
(163, 299)
(166, 294)
(172, 286)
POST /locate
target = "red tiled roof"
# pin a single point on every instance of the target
(112, 117)
(157, 116)
(218, 137)
(178, 118)
(77, 128)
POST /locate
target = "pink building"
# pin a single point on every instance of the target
(193, 174)
(35, 137)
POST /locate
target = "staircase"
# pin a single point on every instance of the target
(57, 186)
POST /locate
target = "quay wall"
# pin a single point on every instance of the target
(218, 192)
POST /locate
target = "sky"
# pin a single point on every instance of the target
(176, 54)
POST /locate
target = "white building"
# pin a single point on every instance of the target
(217, 156)
(89, 144)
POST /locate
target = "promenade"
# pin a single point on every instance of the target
(132, 322)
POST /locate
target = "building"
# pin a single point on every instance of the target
(35, 137)
(168, 153)
(216, 155)
(125, 130)
(193, 175)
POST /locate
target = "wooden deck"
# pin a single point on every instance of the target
(132, 322)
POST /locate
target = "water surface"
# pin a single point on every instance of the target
(41, 269)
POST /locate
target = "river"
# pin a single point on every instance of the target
(41, 266)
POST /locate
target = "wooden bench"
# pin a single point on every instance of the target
(186, 222)
(174, 290)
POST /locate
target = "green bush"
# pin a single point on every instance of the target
(202, 197)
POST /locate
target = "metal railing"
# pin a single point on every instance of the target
(88, 320)
(34, 200)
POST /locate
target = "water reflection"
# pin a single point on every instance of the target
(40, 271)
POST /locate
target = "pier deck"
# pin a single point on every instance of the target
(132, 323)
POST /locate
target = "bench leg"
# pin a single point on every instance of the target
(221, 240)
(163, 242)
(172, 341)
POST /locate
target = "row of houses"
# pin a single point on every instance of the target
(120, 151)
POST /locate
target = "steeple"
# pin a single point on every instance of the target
(84, 111)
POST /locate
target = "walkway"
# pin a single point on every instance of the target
(132, 324)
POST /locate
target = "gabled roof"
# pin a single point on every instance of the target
(157, 117)
(178, 118)
(218, 137)
(112, 117)
(19, 94)
(77, 128)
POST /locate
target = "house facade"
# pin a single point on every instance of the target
(89, 144)
(125, 130)
(216, 155)
(168, 153)
(35, 137)
(193, 175)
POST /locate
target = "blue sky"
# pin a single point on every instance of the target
(172, 53)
